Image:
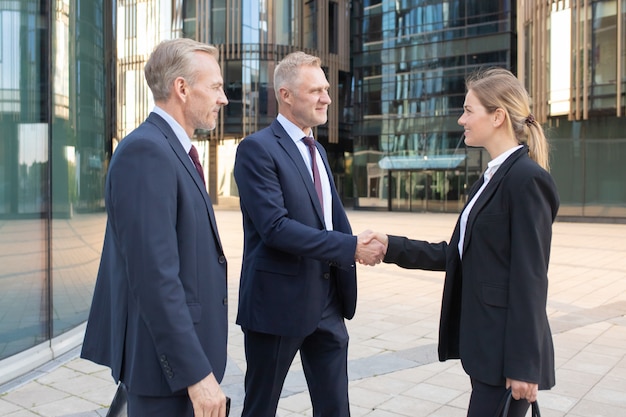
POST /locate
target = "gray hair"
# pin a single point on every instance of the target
(172, 59)
(286, 71)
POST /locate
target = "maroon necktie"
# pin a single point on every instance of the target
(193, 153)
(310, 143)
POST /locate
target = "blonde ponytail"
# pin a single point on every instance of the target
(499, 88)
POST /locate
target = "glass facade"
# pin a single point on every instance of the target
(410, 61)
(583, 101)
(253, 36)
(56, 125)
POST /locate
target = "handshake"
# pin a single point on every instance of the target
(371, 247)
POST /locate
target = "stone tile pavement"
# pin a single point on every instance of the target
(393, 366)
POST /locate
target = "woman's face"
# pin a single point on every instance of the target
(478, 124)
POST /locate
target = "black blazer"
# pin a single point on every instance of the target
(159, 314)
(288, 256)
(493, 313)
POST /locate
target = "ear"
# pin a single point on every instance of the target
(285, 95)
(181, 88)
(499, 116)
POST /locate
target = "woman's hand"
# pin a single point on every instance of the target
(522, 389)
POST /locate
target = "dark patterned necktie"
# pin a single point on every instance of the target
(310, 143)
(193, 153)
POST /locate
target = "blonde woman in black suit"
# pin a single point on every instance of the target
(494, 301)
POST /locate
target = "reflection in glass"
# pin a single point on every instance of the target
(410, 87)
(78, 162)
(309, 22)
(218, 20)
(52, 165)
(603, 54)
(284, 22)
(24, 168)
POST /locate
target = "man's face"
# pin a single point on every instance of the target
(206, 95)
(307, 98)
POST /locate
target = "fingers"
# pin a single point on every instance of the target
(522, 390)
(207, 398)
(371, 247)
(371, 253)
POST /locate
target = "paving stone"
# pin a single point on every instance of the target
(393, 366)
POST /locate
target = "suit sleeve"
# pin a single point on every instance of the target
(262, 182)
(416, 254)
(144, 203)
(534, 203)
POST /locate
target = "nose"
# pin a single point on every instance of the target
(223, 100)
(461, 120)
(326, 98)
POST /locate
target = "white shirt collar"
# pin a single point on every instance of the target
(494, 164)
(176, 127)
(295, 133)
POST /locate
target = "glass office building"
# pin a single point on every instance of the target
(573, 61)
(55, 118)
(410, 61)
(252, 36)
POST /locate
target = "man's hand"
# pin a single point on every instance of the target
(207, 398)
(521, 389)
(369, 250)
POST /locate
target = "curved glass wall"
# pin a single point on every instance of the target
(252, 37)
(410, 61)
(55, 123)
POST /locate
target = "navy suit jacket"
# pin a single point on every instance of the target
(159, 312)
(289, 256)
(493, 313)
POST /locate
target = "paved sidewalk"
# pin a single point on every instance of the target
(393, 365)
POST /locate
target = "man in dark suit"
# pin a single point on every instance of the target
(298, 278)
(159, 312)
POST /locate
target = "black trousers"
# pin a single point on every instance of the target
(324, 355)
(485, 399)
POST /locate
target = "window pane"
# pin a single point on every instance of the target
(24, 176)
(78, 163)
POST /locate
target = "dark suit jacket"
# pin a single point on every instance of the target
(493, 314)
(288, 255)
(159, 312)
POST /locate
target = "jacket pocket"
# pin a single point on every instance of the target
(195, 311)
(283, 266)
(495, 295)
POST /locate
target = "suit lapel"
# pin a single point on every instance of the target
(294, 154)
(184, 159)
(489, 191)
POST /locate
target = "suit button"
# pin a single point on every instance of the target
(221, 259)
(163, 358)
(327, 275)
(225, 301)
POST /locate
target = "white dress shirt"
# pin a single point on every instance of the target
(296, 134)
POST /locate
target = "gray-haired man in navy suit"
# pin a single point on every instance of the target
(159, 312)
